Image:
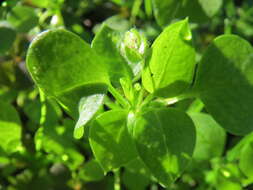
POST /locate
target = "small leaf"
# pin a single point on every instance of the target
(165, 10)
(165, 140)
(110, 140)
(172, 62)
(91, 171)
(210, 7)
(23, 18)
(225, 83)
(134, 48)
(59, 143)
(10, 128)
(88, 106)
(106, 44)
(7, 37)
(66, 68)
(246, 160)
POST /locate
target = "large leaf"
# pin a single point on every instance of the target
(172, 62)
(165, 10)
(211, 137)
(10, 128)
(106, 44)
(165, 140)
(65, 67)
(23, 18)
(110, 141)
(225, 83)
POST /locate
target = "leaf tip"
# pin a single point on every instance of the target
(78, 132)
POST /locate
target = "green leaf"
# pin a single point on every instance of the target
(165, 10)
(105, 44)
(210, 7)
(172, 62)
(7, 37)
(234, 153)
(165, 140)
(211, 137)
(58, 141)
(206, 10)
(135, 181)
(110, 141)
(66, 68)
(88, 107)
(33, 112)
(10, 128)
(225, 83)
(246, 160)
(91, 171)
(23, 18)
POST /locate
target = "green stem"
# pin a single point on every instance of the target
(122, 101)
(147, 99)
(135, 10)
(140, 98)
(110, 104)
(117, 179)
(43, 107)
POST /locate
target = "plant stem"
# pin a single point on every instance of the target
(43, 107)
(147, 99)
(122, 101)
(110, 104)
(140, 97)
(116, 179)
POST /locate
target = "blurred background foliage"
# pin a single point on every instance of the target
(48, 157)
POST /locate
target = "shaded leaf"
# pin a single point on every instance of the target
(225, 83)
(165, 140)
(7, 37)
(110, 141)
(10, 128)
(106, 44)
(23, 18)
(211, 137)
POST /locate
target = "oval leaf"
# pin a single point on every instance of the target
(88, 107)
(225, 83)
(110, 141)
(105, 44)
(207, 146)
(7, 37)
(10, 128)
(165, 140)
(65, 67)
(23, 18)
(172, 61)
(165, 10)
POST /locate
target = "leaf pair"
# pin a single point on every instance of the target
(164, 139)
